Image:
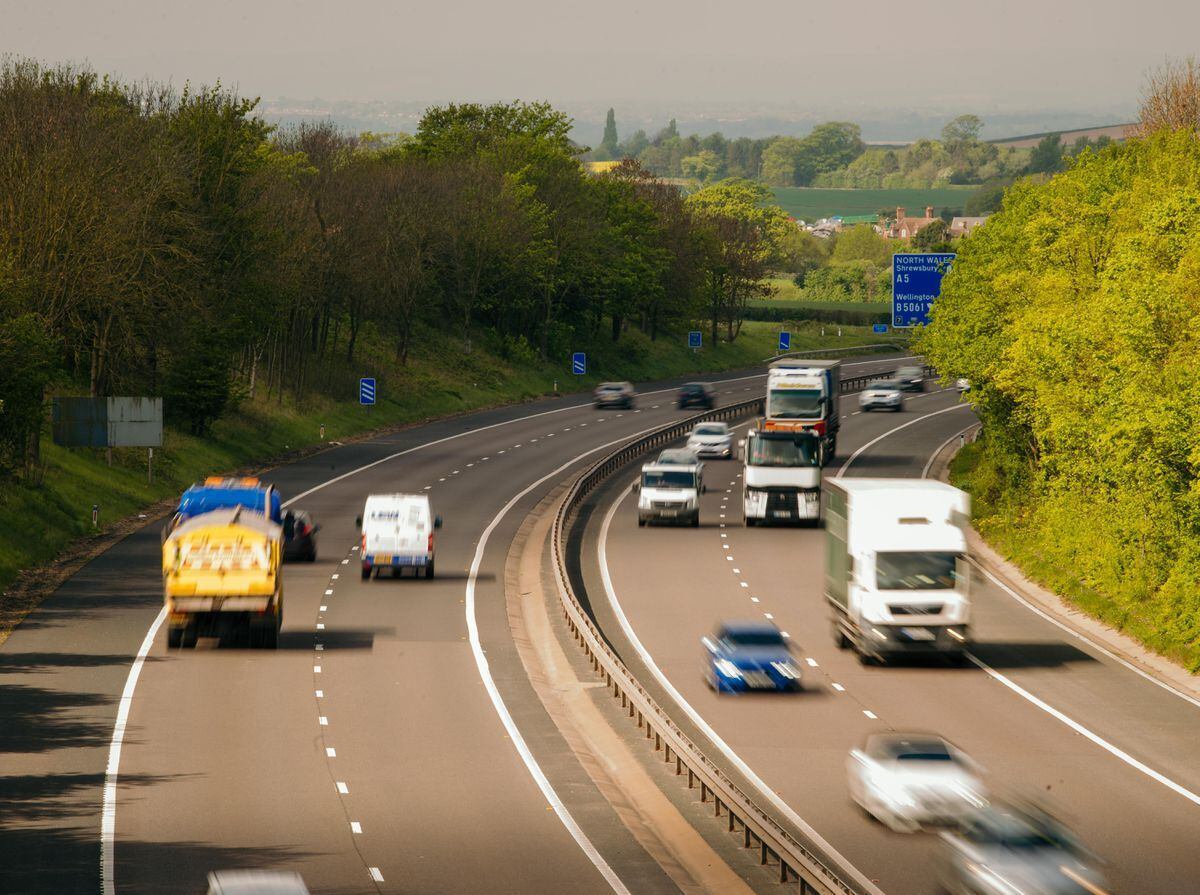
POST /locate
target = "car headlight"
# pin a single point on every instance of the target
(727, 668)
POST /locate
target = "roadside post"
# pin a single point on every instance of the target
(916, 283)
(95, 515)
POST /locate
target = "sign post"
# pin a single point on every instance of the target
(785, 341)
(695, 339)
(916, 282)
(366, 391)
(579, 363)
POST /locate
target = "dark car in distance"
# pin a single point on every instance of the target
(299, 536)
(911, 379)
(696, 394)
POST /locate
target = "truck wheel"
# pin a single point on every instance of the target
(641, 523)
(366, 573)
(174, 638)
(696, 521)
(429, 571)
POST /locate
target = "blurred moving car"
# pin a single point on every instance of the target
(963, 384)
(911, 379)
(670, 492)
(1005, 849)
(696, 394)
(749, 656)
(711, 440)
(883, 393)
(299, 536)
(397, 534)
(906, 780)
(255, 882)
(614, 394)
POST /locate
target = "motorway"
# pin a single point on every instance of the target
(392, 743)
(1047, 714)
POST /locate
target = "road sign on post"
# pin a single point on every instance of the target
(916, 282)
(785, 341)
(366, 391)
(579, 363)
(695, 339)
(880, 328)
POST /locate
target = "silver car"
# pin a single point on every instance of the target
(885, 393)
(614, 394)
(711, 440)
(907, 780)
(1002, 849)
(255, 882)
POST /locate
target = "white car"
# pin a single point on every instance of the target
(255, 882)
(885, 393)
(711, 440)
(963, 384)
(906, 780)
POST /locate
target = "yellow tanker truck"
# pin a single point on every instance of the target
(221, 575)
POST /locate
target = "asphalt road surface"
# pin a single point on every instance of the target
(1045, 713)
(392, 743)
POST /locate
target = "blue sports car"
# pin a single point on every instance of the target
(749, 656)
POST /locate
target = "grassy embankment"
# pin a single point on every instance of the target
(1013, 528)
(810, 204)
(40, 520)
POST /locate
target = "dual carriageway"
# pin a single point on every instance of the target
(395, 742)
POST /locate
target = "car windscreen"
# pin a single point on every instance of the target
(884, 385)
(753, 638)
(1018, 833)
(668, 479)
(914, 372)
(781, 452)
(710, 430)
(915, 571)
(795, 403)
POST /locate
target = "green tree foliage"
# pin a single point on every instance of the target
(174, 244)
(1047, 156)
(933, 237)
(609, 147)
(1075, 314)
(703, 166)
(789, 161)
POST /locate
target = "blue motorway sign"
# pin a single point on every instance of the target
(694, 339)
(366, 391)
(916, 282)
(785, 341)
(578, 363)
(880, 328)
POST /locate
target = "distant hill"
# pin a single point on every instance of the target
(1113, 131)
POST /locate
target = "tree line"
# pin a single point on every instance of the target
(173, 243)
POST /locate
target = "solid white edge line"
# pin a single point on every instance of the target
(485, 673)
(892, 431)
(765, 791)
(108, 821)
(1083, 731)
(941, 447)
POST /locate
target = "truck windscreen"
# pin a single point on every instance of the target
(781, 451)
(672, 479)
(795, 403)
(915, 571)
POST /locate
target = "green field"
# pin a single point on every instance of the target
(810, 204)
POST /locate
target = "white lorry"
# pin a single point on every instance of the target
(896, 574)
(781, 481)
(670, 492)
(803, 396)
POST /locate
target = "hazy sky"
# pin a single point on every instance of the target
(847, 54)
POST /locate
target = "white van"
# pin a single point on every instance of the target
(397, 533)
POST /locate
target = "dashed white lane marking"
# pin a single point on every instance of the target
(485, 458)
(355, 827)
(329, 593)
(581, 425)
(769, 616)
(469, 465)
(744, 584)
(722, 515)
(320, 694)
(724, 536)
(324, 609)
(501, 452)
(320, 646)
(754, 599)
(376, 875)
(811, 661)
(568, 429)
(323, 721)
(874, 441)
(335, 576)
(838, 687)
(737, 571)
(456, 471)
(330, 752)
(727, 546)
(870, 714)
(729, 558)
(345, 562)
(316, 669)
(549, 434)
(320, 626)
(427, 488)
(354, 549)
(443, 478)
(343, 788)
(1083, 731)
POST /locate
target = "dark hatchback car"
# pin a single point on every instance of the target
(696, 394)
(299, 536)
(911, 379)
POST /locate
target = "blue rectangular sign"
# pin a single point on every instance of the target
(366, 391)
(694, 339)
(579, 363)
(880, 328)
(785, 341)
(916, 282)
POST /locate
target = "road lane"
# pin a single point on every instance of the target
(226, 762)
(673, 584)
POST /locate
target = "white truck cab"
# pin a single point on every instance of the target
(397, 534)
(781, 481)
(896, 573)
(669, 492)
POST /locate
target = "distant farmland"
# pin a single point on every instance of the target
(810, 204)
